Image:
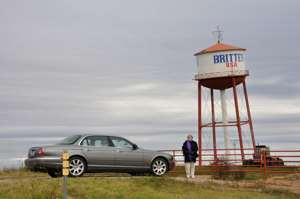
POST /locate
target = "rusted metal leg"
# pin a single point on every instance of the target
(238, 120)
(200, 123)
(249, 115)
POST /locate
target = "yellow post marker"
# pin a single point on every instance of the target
(65, 171)
(65, 156)
(65, 167)
(66, 164)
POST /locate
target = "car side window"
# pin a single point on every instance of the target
(98, 141)
(120, 142)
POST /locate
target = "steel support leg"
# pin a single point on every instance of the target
(249, 115)
(200, 123)
(238, 120)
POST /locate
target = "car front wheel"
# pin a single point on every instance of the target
(159, 167)
(77, 166)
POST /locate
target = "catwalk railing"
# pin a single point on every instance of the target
(265, 161)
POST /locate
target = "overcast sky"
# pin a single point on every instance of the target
(126, 67)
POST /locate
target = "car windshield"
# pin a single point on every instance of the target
(69, 140)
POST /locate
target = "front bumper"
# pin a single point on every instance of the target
(43, 163)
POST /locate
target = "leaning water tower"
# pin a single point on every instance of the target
(222, 70)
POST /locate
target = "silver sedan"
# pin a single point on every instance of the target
(98, 153)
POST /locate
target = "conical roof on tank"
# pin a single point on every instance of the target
(219, 47)
(219, 63)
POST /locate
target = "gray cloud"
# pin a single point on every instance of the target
(128, 66)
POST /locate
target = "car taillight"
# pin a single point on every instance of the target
(41, 152)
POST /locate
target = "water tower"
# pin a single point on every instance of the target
(221, 68)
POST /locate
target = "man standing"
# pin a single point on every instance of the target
(189, 150)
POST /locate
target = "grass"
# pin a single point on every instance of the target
(27, 185)
(19, 173)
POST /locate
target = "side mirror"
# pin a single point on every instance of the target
(134, 147)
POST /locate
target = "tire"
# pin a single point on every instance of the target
(54, 173)
(159, 166)
(77, 166)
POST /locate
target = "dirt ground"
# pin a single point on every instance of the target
(288, 183)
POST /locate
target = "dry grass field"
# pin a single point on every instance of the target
(27, 185)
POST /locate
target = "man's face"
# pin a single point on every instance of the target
(189, 137)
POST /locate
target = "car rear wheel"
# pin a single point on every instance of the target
(77, 166)
(54, 173)
(159, 167)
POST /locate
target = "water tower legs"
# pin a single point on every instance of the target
(225, 123)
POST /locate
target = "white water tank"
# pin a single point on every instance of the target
(219, 63)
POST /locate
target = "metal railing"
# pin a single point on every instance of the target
(265, 162)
